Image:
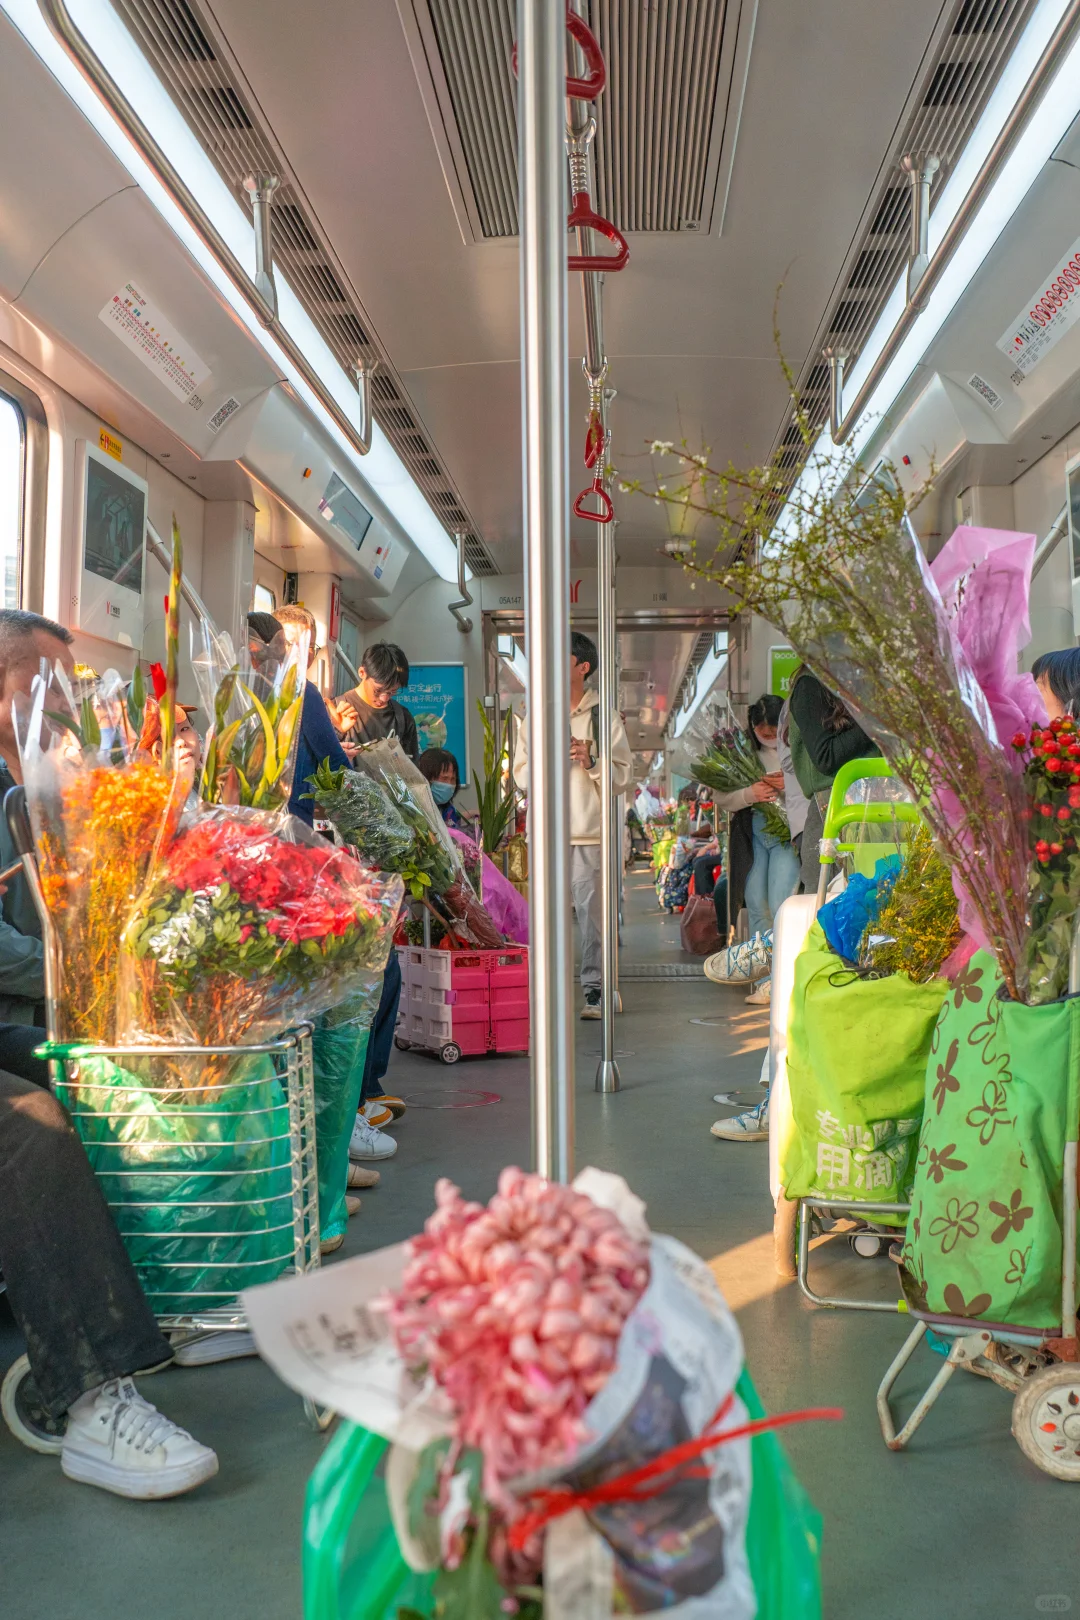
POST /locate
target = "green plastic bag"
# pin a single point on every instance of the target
(1001, 1082)
(856, 1062)
(338, 1061)
(339, 1045)
(199, 1182)
(353, 1569)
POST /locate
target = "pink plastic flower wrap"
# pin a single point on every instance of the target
(984, 577)
(516, 1311)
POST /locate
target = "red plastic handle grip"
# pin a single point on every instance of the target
(583, 216)
(589, 88)
(593, 84)
(606, 512)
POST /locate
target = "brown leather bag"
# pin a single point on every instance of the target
(697, 927)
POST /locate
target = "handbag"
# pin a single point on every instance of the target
(697, 926)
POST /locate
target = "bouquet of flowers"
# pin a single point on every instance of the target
(433, 866)
(251, 748)
(564, 1391)
(729, 762)
(1051, 758)
(388, 836)
(98, 811)
(917, 927)
(247, 923)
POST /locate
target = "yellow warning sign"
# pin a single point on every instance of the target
(111, 446)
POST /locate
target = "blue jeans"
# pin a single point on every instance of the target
(381, 1039)
(773, 877)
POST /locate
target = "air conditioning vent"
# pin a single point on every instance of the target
(632, 677)
(971, 46)
(184, 45)
(667, 121)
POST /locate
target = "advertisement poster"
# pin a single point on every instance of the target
(783, 663)
(437, 697)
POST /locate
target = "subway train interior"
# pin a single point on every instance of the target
(661, 420)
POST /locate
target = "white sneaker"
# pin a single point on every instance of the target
(761, 996)
(208, 1348)
(118, 1441)
(753, 1126)
(368, 1143)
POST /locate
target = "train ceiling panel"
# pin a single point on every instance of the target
(202, 77)
(666, 123)
(962, 65)
(689, 323)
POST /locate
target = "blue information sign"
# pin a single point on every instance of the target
(437, 697)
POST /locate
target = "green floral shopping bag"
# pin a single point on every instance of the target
(984, 1238)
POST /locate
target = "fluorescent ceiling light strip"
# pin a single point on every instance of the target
(1047, 126)
(382, 469)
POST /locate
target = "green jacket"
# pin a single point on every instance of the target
(809, 778)
(22, 955)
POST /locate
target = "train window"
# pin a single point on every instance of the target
(11, 501)
(349, 645)
(263, 600)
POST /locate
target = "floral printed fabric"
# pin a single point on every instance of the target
(984, 1239)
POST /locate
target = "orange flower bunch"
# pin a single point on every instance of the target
(95, 855)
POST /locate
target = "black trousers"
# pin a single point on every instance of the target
(705, 883)
(71, 1286)
(381, 1040)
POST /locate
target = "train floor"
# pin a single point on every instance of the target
(959, 1526)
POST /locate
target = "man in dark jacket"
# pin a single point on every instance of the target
(318, 740)
(369, 712)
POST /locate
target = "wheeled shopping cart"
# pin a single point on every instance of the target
(205, 1156)
(869, 1224)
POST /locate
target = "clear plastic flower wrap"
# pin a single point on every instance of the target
(363, 816)
(434, 863)
(98, 811)
(250, 753)
(248, 922)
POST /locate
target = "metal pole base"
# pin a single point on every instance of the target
(607, 1075)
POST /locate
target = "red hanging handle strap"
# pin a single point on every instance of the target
(584, 217)
(606, 512)
(593, 84)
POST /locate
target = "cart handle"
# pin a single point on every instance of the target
(841, 815)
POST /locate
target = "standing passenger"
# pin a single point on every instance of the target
(585, 777)
(370, 711)
(318, 740)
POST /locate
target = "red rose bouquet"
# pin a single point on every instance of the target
(249, 922)
(1051, 756)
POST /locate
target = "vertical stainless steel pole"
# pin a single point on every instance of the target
(607, 1070)
(542, 215)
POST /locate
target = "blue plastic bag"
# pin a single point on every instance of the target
(845, 919)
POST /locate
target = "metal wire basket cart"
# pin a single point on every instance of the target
(206, 1159)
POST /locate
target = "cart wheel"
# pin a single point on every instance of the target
(1046, 1420)
(401, 1043)
(868, 1245)
(24, 1414)
(450, 1052)
(785, 1227)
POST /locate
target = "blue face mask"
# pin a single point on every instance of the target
(442, 792)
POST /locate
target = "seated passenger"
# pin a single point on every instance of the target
(70, 1284)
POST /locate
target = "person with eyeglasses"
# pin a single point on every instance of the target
(370, 711)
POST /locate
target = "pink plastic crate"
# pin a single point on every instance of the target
(476, 1000)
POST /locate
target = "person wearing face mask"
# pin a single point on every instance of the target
(440, 767)
(507, 909)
